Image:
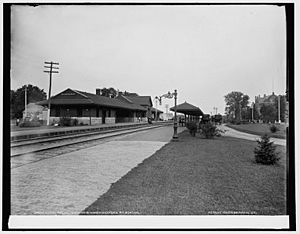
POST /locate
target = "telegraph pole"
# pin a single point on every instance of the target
(25, 114)
(49, 65)
(252, 105)
(279, 120)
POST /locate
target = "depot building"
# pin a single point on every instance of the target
(94, 109)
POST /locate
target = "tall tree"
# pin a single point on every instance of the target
(17, 98)
(236, 103)
(256, 114)
(268, 113)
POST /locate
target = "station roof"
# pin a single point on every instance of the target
(189, 109)
(140, 100)
(84, 98)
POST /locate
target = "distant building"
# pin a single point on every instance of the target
(94, 109)
(35, 112)
(166, 116)
(270, 100)
(144, 101)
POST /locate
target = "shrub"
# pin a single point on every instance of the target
(266, 153)
(192, 127)
(65, 121)
(30, 124)
(209, 130)
(75, 122)
(273, 128)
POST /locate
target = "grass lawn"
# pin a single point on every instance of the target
(260, 129)
(199, 177)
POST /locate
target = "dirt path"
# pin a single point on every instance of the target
(242, 135)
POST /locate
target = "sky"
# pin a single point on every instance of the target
(203, 51)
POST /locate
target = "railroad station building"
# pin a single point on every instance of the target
(94, 109)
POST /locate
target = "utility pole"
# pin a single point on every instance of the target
(279, 120)
(25, 114)
(216, 109)
(252, 107)
(49, 65)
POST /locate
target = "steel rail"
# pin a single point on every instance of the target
(37, 140)
(74, 142)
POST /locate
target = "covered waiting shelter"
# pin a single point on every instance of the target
(190, 111)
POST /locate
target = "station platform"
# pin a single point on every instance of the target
(18, 133)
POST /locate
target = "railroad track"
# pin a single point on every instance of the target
(76, 141)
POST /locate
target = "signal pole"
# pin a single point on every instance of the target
(50, 66)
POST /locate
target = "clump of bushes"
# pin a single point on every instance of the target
(74, 122)
(68, 121)
(273, 128)
(209, 130)
(192, 127)
(65, 121)
(266, 153)
(30, 124)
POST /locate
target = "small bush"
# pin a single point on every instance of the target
(266, 153)
(30, 124)
(74, 122)
(209, 130)
(192, 127)
(273, 128)
(65, 121)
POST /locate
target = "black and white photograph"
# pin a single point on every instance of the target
(125, 112)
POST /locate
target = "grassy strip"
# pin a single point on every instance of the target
(260, 129)
(198, 177)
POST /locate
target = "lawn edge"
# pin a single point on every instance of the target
(254, 133)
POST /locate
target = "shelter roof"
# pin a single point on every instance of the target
(187, 108)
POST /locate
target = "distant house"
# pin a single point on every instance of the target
(269, 100)
(35, 112)
(264, 100)
(144, 101)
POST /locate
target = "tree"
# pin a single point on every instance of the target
(17, 99)
(266, 153)
(236, 102)
(256, 115)
(111, 92)
(130, 94)
(108, 92)
(268, 113)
